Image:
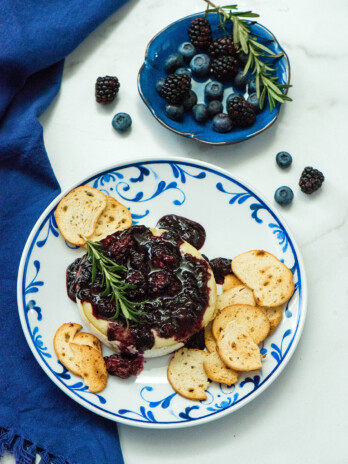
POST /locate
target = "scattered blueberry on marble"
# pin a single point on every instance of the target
(173, 62)
(284, 195)
(190, 101)
(200, 112)
(214, 91)
(283, 159)
(121, 122)
(222, 123)
(175, 112)
(200, 65)
(215, 107)
(240, 81)
(187, 50)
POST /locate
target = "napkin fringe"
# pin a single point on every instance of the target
(23, 451)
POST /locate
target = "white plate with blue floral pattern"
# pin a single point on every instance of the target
(236, 219)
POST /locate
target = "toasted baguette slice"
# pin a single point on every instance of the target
(186, 374)
(250, 319)
(78, 213)
(230, 282)
(237, 349)
(269, 278)
(61, 343)
(92, 366)
(209, 340)
(217, 371)
(114, 217)
(274, 316)
(236, 295)
(84, 338)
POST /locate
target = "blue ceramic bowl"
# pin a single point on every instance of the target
(167, 42)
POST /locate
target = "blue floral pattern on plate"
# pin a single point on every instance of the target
(164, 186)
(167, 42)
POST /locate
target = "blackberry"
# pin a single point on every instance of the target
(222, 46)
(224, 68)
(175, 88)
(241, 112)
(199, 33)
(106, 89)
(311, 180)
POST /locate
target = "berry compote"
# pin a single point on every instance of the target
(189, 230)
(170, 284)
(221, 267)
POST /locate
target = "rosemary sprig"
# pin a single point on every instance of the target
(258, 54)
(113, 282)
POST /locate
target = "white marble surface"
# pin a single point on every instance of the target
(303, 416)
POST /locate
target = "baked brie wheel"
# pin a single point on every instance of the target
(172, 280)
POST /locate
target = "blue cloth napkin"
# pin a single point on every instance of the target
(35, 416)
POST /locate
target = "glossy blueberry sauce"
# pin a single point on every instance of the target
(189, 230)
(172, 285)
(221, 267)
(196, 341)
(124, 365)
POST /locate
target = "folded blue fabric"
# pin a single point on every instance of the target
(35, 416)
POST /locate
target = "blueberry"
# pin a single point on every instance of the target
(253, 100)
(187, 50)
(121, 122)
(222, 123)
(284, 195)
(283, 159)
(252, 86)
(215, 107)
(243, 58)
(173, 62)
(200, 65)
(200, 112)
(214, 91)
(159, 84)
(190, 101)
(175, 112)
(187, 71)
(240, 81)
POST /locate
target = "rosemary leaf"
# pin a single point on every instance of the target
(262, 98)
(261, 59)
(262, 47)
(115, 287)
(249, 63)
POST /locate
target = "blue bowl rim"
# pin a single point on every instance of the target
(192, 135)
